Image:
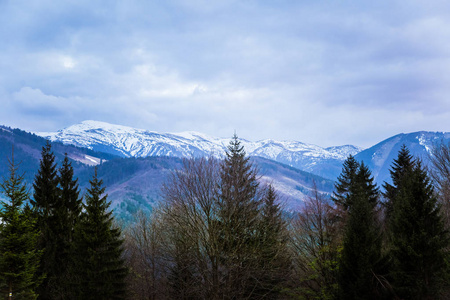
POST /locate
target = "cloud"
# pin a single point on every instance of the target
(27, 107)
(317, 71)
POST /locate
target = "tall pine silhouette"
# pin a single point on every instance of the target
(361, 253)
(418, 239)
(345, 182)
(97, 263)
(45, 200)
(275, 260)
(19, 258)
(66, 213)
(238, 216)
(71, 202)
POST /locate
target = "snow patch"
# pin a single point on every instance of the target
(132, 142)
(423, 142)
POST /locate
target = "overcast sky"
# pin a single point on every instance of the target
(320, 72)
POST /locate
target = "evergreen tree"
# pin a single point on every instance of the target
(71, 201)
(418, 239)
(97, 263)
(345, 182)
(361, 252)
(238, 216)
(45, 186)
(402, 167)
(274, 256)
(19, 259)
(45, 199)
(66, 212)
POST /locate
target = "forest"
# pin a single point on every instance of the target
(221, 234)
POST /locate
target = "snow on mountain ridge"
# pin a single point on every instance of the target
(133, 142)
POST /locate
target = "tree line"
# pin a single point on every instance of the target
(52, 244)
(221, 234)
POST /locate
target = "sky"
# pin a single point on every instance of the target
(321, 72)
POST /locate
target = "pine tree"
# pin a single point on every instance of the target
(418, 239)
(345, 182)
(274, 256)
(402, 167)
(361, 252)
(65, 214)
(45, 199)
(45, 186)
(238, 216)
(71, 201)
(97, 263)
(19, 258)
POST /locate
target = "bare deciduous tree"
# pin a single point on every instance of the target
(440, 173)
(190, 215)
(316, 236)
(145, 257)
(221, 244)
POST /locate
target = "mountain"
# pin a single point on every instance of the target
(134, 183)
(290, 183)
(131, 142)
(27, 152)
(137, 162)
(380, 157)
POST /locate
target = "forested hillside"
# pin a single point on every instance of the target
(217, 229)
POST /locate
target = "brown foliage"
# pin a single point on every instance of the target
(316, 239)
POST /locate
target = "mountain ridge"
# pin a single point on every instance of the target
(132, 142)
(134, 183)
(325, 162)
(380, 156)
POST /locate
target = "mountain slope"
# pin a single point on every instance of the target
(379, 157)
(132, 142)
(27, 152)
(291, 184)
(135, 183)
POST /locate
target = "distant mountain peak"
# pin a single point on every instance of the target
(91, 124)
(132, 142)
(379, 157)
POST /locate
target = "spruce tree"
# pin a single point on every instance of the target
(97, 264)
(19, 258)
(45, 199)
(345, 182)
(418, 239)
(238, 216)
(402, 167)
(66, 212)
(361, 253)
(45, 186)
(71, 201)
(274, 256)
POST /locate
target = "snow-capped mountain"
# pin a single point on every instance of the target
(134, 184)
(131, 142)
(379, 157)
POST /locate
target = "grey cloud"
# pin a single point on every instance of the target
(317, 71)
